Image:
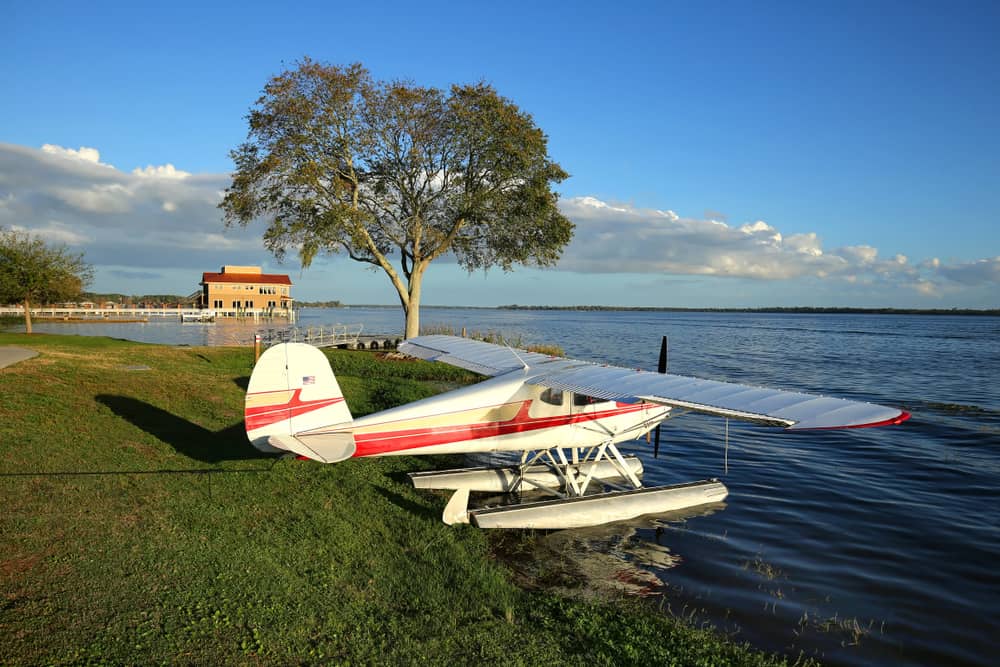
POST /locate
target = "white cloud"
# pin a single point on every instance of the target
(805, 244)
(622, 238)
(763, 232)
(102, 198)
(164, 171)
(56, 232)
(972, 273)
(148, 218)
(83, 153)
(860, 254)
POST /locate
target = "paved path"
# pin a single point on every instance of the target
(11, 355)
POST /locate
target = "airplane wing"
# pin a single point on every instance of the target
(472, 355)
(792, 410)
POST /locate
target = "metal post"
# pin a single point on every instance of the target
(727, 448)
(256, 347)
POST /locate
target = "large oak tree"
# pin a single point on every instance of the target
(396, 175)
(33, 272)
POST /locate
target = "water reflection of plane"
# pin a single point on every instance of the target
(616, 558)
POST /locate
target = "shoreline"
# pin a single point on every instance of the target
(89, 320)
(774, 310)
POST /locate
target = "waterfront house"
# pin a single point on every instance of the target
(246, 291)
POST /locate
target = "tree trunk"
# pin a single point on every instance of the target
(412, 322)
(412, 309)
(27, 316)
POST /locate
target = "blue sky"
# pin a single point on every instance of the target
(729, 154)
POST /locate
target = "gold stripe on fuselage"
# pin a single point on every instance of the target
(498, 413)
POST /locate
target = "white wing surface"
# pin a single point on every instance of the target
(472, 355)
(793, 410)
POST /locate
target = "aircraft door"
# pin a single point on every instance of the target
(586, 432)
(554, 406)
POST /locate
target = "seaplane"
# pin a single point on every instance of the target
(565, 418)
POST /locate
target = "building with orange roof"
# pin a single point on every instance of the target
(246, 291)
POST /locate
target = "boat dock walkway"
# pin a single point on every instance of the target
(347, 336)
(133, 314)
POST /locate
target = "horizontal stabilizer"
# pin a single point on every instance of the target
(324, 447)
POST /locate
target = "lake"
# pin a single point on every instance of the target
(871, 546)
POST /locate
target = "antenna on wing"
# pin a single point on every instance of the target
(661, 367)
(514, 352)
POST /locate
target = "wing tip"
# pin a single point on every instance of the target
(898, 419)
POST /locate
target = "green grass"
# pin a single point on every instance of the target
(139, 527)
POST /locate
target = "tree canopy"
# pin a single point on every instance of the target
(396, 175)
(32, 272)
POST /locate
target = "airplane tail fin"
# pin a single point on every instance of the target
(294, 403)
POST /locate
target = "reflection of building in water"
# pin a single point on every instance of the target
(246, 290)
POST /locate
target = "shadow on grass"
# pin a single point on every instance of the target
(191, 440)
(407, 505)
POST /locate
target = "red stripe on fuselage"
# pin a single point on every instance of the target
(265, 415)
(370, 444)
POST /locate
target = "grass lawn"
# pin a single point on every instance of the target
(138, 526)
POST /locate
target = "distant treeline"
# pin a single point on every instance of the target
(776, 309)
(318, 304)
(136, 298)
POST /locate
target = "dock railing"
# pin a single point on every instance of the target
(334, 335)
(111, 314)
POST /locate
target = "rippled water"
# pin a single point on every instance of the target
(872, 546)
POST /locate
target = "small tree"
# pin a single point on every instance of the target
(33, 272)
(391, 171)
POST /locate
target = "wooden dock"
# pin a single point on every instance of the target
(347, 336)
(145, 314)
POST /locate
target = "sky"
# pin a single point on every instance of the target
(729, 154)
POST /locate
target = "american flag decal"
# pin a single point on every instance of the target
(309, 379)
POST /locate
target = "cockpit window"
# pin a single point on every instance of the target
(552, 396)
(583, 399)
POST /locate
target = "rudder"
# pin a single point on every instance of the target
(292, 389)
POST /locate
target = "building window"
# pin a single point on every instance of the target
(217, 303)
(236, 305)
(248, 304)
